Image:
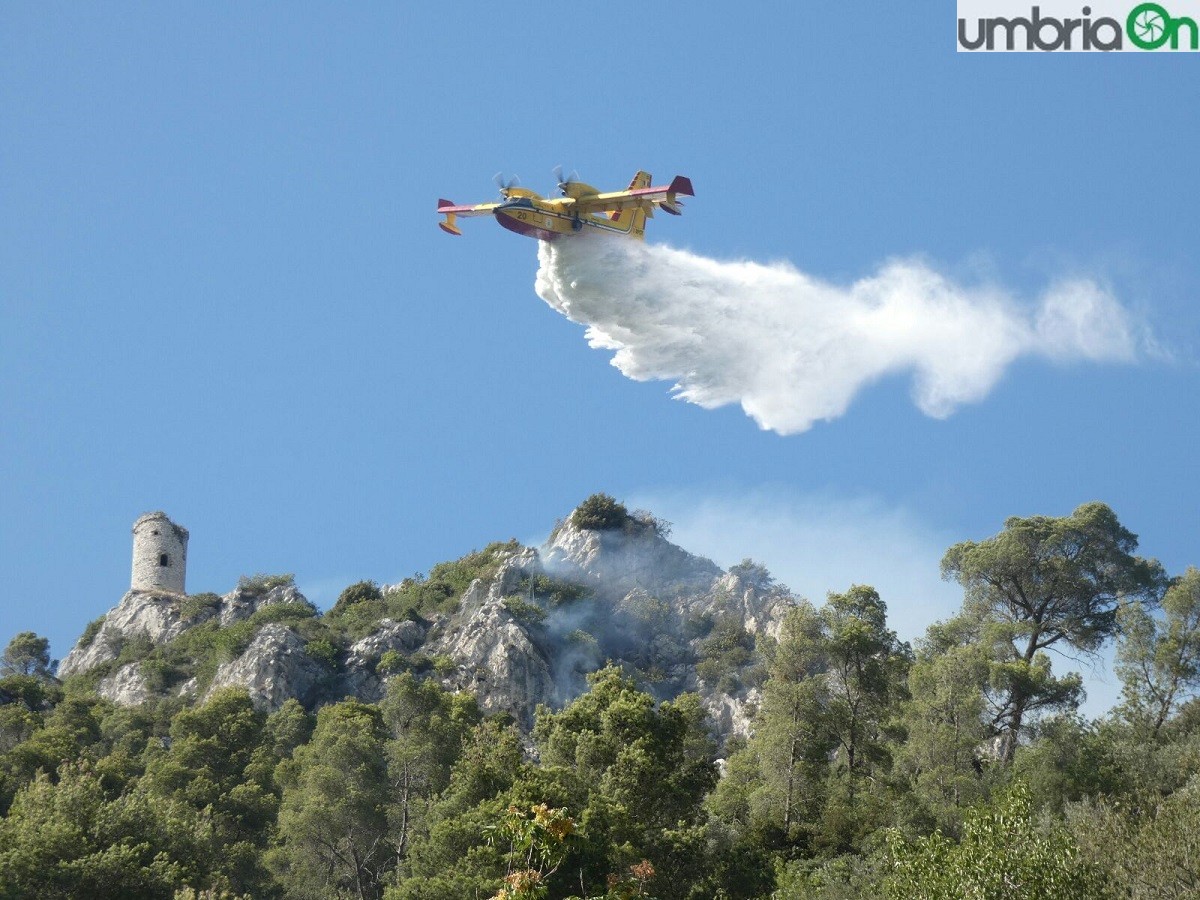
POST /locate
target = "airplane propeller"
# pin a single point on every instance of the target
(563, 182)
(505, 184)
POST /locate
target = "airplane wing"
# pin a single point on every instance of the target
(663, 196)
(479, 209)
(452, 211)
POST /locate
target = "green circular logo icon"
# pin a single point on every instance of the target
(1148, 25)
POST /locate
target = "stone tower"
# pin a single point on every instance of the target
(159, 554)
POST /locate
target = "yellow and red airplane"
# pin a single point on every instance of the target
(581, 205)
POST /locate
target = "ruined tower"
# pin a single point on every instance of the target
(159, 554)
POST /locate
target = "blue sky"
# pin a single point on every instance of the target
(223, 294)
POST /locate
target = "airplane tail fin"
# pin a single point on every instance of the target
(634, 218)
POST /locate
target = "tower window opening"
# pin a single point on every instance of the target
(164, 560)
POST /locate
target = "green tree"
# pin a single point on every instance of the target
(448, 856)
(1159, 660)
(651, 760)
(865, 671)
(31, 693)
(1003, 855)
(943, 721)
(17, 724)
(70, 731)
(785, 762)
(1147, 845)
(833, 685)
(333, 820)
(1044, 582)
(131, 736)
(489, 765)
(27, 654)
(631, 771)
(288, 728)
(429, 727)
(215, 765)
(68, 839)
(728, 647)
(1069, 758)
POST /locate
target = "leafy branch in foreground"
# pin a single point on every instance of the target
(535, 844)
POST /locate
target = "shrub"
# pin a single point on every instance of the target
(282, 612)
(442, 589)
(525, 612)
(323, 652)
(443, 664)
(358, 619)
(201, 649)
(359, 592)
(260, 583)
(649, 612)
(728, 635)
(196, 605)
(1004, 852)
(728, 647)
(600, 512)
(753, 574)
(159, 674)
(134, 649)
(554, 591)
(413, 616)
(698, 626)
(89, 633)
(653, 674)
(710, 671)
(390, 663)
(647, 519)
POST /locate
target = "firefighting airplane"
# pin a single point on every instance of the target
(620, 212)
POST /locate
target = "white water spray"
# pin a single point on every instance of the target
(792, 349)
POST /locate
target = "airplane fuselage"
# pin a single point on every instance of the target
(548, 220)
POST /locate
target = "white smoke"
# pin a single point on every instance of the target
(792, 349)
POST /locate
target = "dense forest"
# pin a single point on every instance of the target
(955, 767)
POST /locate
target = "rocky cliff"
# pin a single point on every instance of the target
(143, 620)
(516, 626)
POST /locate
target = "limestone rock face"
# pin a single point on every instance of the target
(272, 669)
(732, 716)
(497, 659)
(161, 617)
(125, 687)
(617, 561)
(360, 679)
(241, 603)
(403, 637)
(154, 616)
(759, 607)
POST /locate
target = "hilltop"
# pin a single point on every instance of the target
(517, 627)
